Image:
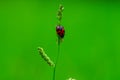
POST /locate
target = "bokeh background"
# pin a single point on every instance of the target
(91, 46)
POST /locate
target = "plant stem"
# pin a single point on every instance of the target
(54, 71)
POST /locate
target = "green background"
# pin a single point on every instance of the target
(91, 46)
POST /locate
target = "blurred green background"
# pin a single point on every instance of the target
(90, 50)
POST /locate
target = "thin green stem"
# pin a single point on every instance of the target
(54, 71)
(59, 16)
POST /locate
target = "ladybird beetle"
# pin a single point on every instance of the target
(60, 31)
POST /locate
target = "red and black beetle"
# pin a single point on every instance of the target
(60, 31)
